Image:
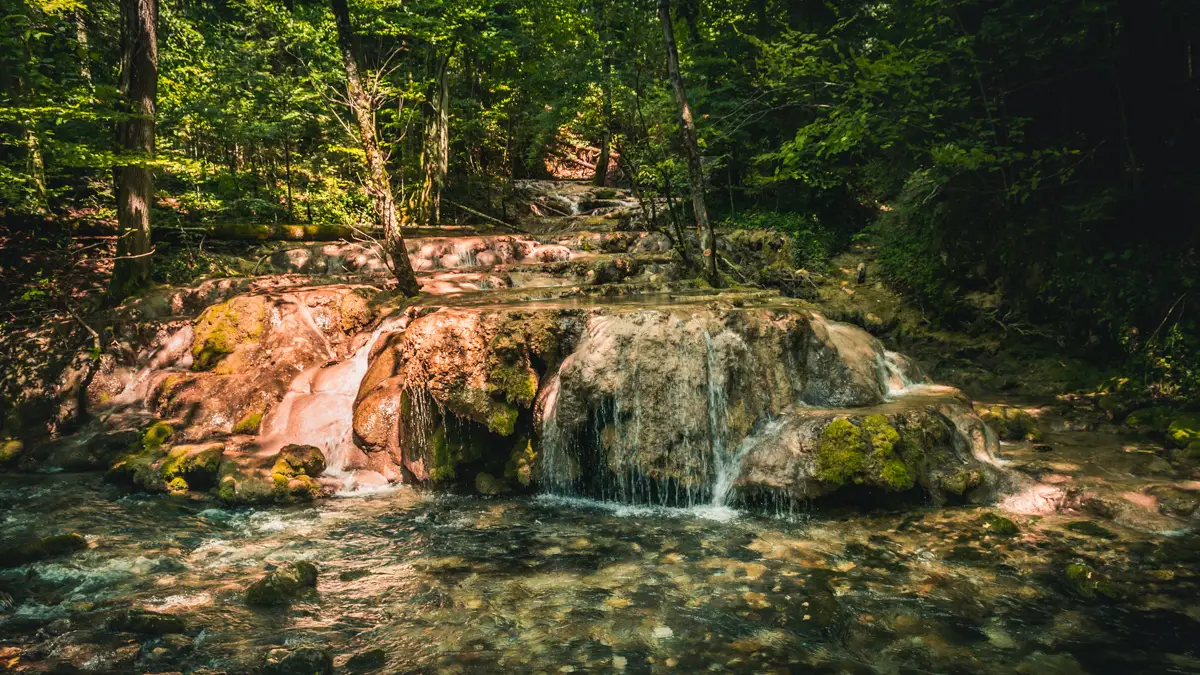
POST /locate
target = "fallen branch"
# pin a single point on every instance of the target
(486, 217)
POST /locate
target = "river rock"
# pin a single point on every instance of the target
(16, 554)
(305, 660)
(283, 585)
(144, 622)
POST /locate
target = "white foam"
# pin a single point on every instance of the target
(723, 514)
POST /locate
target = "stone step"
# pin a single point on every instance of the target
(463, 252)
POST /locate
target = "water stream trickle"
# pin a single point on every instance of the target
(318, 408)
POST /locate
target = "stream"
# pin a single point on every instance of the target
(417, 583)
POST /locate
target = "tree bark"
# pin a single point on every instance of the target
(435, 150)
(379, 184)
(601, 176)
(135, 139)
(81, 37)
(691, 147)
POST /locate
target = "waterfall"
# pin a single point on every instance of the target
(670, 412)
(318, 408)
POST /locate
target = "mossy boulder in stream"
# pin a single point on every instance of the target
(15, 554)
(10, 452)
(145, 623)
(1083, 580)
(192, 467)
(296, 470)
(283, 586)
(303, 660)
(1012, 424)
(863, 455)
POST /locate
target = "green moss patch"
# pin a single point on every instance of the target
(249, 424)
(1012, 424)
(863, 455)
(9, 451)
(221, 328)
(295, 471)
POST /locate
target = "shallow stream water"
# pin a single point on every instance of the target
(448, 584)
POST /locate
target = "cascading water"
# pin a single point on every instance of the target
(318, 408)
(604, 457)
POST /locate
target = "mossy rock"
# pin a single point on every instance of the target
(521, 462)
(303, 660)
(1089, 529)
(239, 487)
(249, 423)
(605, 193)
(196, 465)
(453, 443)
(14, 555)
(10, 451)
(145, 622)
(221, 328)
(283, 586)
(355, 309)
(998, 525)
(295, 471)
(1086, 582)
(156, 435)
(139, 470)
(960, 482)
(866, 455)
(1184, 430)
(1149, 419)
(1012, 424)
(487, 484)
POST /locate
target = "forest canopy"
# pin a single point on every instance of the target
(1024, 166)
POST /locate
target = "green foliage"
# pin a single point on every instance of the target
(813, 243)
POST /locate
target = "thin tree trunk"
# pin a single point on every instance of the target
(135, 138)
(81, 36)
(601, 176)
(691, 148)
(435, 152)
(37, 171)
(378, 182)
(287, 166)
(681, 242)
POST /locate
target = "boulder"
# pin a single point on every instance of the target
(145, 623)
(296, 470)
(304, 660)
(283, 586)
(15, 554)
(1011, 424)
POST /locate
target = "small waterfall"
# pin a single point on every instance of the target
(728, 471)
(606, 456)
(318, 408)
(901, 375)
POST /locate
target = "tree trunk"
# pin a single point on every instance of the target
(691, 147)
(37, 171)
(601, 177)
(435, 152)
(81, 36)
(287, 167)
(135, 139)
(379, 184)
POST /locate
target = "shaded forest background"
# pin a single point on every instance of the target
(1025, 166)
